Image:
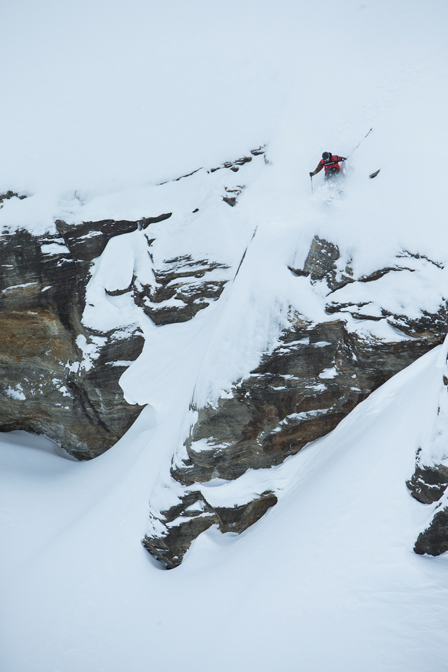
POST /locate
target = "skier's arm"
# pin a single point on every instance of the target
(318, 169)
(342, 158)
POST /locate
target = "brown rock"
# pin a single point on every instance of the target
(44, 386)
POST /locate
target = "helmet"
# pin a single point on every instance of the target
(326, 156)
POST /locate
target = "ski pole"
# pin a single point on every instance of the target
(311, 178)
(362, 140)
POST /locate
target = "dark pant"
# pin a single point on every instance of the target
(332, 173)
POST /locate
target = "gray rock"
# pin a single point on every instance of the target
(184, 279)
(298, 393)
(434, 540)
(88, 240)
(183, 523)
(428, 484)
(43, 386)
(320, 264)
(10, 194)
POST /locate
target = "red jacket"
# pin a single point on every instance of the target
(333, 164)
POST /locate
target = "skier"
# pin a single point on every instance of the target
(330, 162)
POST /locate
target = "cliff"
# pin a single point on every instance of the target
(78, 306)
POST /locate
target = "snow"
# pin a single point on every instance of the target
(329, 373)
(90, 351)
(15, 393)
(26, 284)
(119, 100)
(332, 560)
(54, 248)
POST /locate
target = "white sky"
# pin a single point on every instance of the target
(105, 93)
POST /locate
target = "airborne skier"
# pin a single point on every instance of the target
(330, 162)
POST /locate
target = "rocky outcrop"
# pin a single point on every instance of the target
(234, 166)
(58, 376)
(181, 288)
(87, 240)
(320, 264)
(429, 483)
(10, 194)
(49, 385)
(301, 391)
(193, 515)
(434, 540)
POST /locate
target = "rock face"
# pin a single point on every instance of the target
(434, 540)
(429, 483)
(10, 194)
(88, 240)
(301, 391)
(181, 289)
(47, 387)
(193, 515)
(60, 377)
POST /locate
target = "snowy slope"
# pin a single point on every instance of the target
(328, 577)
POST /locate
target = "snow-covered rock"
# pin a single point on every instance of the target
(93, 287)
(299, 392)
(429, 483)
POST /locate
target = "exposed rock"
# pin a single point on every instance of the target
(48, 386)
(232, 200)
(428, 484)
(234, 166)
(321, 259)
(87, 241)
(416, 255)
(376, 275)
(298, 393)
(260, 151)
(57, 376)
(179, 291)
(434, 540)
(431, 326)
(10, 194)
(193, 515)
(321, 264)
(61, 378)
